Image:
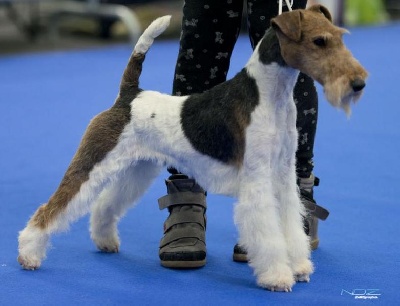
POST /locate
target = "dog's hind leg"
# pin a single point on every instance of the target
(260, 233)
(88, 172)
(98, 159)
(58, 213)
(115, 200)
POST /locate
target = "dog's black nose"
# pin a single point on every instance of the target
(357, 84)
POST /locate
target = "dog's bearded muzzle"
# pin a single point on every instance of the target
(341, 93)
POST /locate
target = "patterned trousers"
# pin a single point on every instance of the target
(210, 29)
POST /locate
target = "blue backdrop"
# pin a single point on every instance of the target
(46, 102)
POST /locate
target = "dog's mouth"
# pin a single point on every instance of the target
(341, 95)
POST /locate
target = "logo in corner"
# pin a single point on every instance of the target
(362, 294)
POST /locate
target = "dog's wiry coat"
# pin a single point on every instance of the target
(238, 139)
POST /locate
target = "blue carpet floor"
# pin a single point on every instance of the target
(46, 102)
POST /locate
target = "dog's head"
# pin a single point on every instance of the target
(310, 43)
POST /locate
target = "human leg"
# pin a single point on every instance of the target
(209, 32)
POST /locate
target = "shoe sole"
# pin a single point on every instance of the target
(189, 264)
(243, 257)
(239, 257)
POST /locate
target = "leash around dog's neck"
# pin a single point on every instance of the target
(289, 5)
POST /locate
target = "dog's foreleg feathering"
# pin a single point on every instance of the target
(98, 163)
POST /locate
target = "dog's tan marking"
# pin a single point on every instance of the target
(314, 46)
(100, 138)
(130, 79)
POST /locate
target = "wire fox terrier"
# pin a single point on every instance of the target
(237, 139)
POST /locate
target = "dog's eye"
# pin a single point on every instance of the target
(320, 42)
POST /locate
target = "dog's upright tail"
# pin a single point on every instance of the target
(153, 30)
(130, 78)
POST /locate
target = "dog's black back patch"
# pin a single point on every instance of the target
(215, 121)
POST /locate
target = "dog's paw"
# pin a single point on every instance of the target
(29, 263)
(107, 245)
(302, 278)
(303, 271)
(109, 248)
(281, 279)
(32, 247)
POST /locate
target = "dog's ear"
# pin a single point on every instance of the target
(288, 24)
(321, 9)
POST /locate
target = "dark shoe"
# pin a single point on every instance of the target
(239, 253)
(184, 244)
(313, 210)
(313, 213)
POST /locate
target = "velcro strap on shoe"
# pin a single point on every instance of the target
(180, 233)
(185, 217)
(182, 198)
(315, 210)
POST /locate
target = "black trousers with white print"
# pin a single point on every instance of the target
(209, 32)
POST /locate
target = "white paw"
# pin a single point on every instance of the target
(110, 245)
(303, 271)
(109, 248)
(105, 237)
(29, 263)
(32, 247)
(280, 279)
(302, 278)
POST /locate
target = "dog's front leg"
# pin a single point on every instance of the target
(260, 233)
(298, 244)
(291, 208)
